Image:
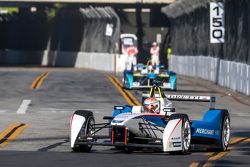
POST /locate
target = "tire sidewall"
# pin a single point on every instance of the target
(184, 120)
(225, 116)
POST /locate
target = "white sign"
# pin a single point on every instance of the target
(217, 29)
(128, 41)
(109, 30)
(158, 38)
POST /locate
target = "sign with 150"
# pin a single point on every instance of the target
(217, 29)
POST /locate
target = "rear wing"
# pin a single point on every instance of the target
(191, 98)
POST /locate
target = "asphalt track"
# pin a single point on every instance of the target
(36, 105)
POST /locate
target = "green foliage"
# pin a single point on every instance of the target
(10, 10)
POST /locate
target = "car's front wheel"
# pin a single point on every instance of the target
(87, 130)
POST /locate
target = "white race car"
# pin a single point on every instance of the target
(154, 125)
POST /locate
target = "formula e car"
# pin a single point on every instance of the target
(145, 75)
(131, 128)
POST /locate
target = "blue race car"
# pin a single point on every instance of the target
(134, 127)
(144, 76)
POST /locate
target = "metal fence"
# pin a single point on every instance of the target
(229, 74)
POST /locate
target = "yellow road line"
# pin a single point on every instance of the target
(38, 81)
(120, 90)
(194, 164)
(126, 94)
(215, 156)
(41, 80)
(11, 133)
(209, 153)
(35, 82)
(129, 93)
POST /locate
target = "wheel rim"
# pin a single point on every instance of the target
(226, 132)
(186, 136)
(91, 128)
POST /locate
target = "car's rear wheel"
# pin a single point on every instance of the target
(87, 130)
(225, 131)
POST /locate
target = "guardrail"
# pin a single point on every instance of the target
(233, 75)
(97, 61)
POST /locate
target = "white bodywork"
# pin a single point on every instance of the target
(171, 136)
(132, 121)
(77, 122)
(136, 85)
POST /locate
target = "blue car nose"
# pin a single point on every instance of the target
(151, 76)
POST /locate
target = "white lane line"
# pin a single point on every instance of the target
(3, 111)
(23, 107)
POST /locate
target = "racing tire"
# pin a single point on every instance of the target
(186, 133)
(225, 131)
(88, 129)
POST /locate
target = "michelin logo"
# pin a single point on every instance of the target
(204, 131)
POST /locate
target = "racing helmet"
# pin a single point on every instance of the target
(151, 105)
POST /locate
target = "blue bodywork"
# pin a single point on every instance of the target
(121, 109)
(146, 79)
(207, 128)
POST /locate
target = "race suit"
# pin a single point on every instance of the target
(131, 61)
(154, 51)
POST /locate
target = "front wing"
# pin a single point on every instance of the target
(137, 81)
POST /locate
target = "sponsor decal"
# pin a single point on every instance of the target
(164, 75)
(117, 121)
(166, 84)
(136, 84)
(137, 74)
(204, 131)
(176, 138)
(187, 97)
(176, 144)
(217, 133)
(119, 107)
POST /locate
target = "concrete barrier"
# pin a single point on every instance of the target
(233, 75)
(97, 61)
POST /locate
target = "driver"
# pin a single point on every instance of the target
(151, 105)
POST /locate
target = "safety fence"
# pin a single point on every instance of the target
(229, 74)
(226, 64)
